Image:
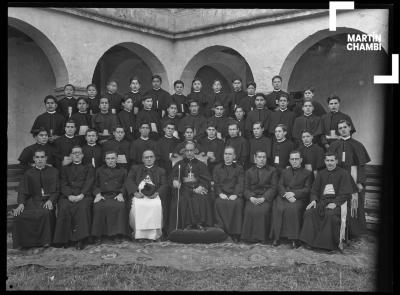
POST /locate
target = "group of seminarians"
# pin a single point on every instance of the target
(262, 168)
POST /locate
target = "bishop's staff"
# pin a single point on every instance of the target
(177, 204)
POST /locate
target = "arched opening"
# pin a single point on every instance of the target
(35, 69)
(217, 62)
(125, 60)
(323, 61)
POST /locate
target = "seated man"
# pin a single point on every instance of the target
(110, 216)
(293, 195)
(147, 185)
(75, 205)
(38, 193)
(260, 189)
(229, 185)
(191, 181)
(322, 220)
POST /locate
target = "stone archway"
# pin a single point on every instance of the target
(323, 61)
(223, 61)
(124, 60)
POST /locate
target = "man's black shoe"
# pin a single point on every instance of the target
(200, 227)
(295, 244)
(80, 245)
(275, 243)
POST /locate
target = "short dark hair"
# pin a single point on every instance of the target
(156, 76)
(90, 130)
(283, 95)
(187, 127)
(306, 131)
(70, 121)
(108, 152)
(233, 122)
(237, 79)
(109, 81)
(172, 103)
(331, 97)
(168, 122)
(74, 147)
(260, 151)
(49, 97)
(308, 100)
(144, 122)
(258, 122)
(134, 78)
(125, 98)
(230, 147)
(193, 100)
(251, 83)
(260, 94)
(295, 152)
(197, 79)
(73, 87)
(81, 98)
(40, 150)
(283, 126)
(91, 85)
(311, 88)
(330, 153)
(179, 82)
(276, 76)
(344, 121)
(35, 132)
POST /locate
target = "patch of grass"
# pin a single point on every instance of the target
(323, 277)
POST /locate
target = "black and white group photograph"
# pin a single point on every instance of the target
(200, 148)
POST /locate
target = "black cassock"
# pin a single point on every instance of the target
(67, 106)
(319, 110)
(106, 121)
(216, 146)
(92, 154)
(272, 100)
(287, 217)
(193, 208)
(127, 121)
(221, 124)
(181, 103)
(329, 122)
(110, 217)
(123, 151)
(241, 146)
(164, 149)
(151, 117)
(161, 99)
(248, 103)
(235, 98)
(114, 101)
(312, 155)
(198, 122)
(81, 119)
(200, 97)
(137, 148)
(258, 182)
(159, 178)
(282, 117)
(262, 115)
(26, 157)
(311, 123)
(35, 225)
(166, 119)
(263, 144)
(321, 226)
(280, 153)
(354, 153)
(229, 180)
(63, 145)
(52, 122)
(74, 219)
(214, 97)
(136, 98)
(93, 105)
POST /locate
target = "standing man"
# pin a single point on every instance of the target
(293, 195)
(161, 98)
(37, 196)
(272, 99)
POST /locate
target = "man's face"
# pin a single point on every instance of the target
(344, 129)
(91, 91)
(295, 160)
(283, 103)
(135, 85)
(279, 133)
(189, 151)
(197, 85)
(69, 91)
(119, 134)
(76, 155)
(156, 83)
(111, 160)
(307, 138)
(42, 137)
(148, 103)
(219, 111)
(189, 134)
(330, 162)
(194, 108)
(112, 87)
(237, 85)
(91, 137)
(308, 108)
(104, 104)
(233, 131)
(128, 104)
(229, 156)
(179, 88)
(51, 105)
(169, 130)
(144, 130)
(70, 129)
(239, 113)
(261, 159)
(260, 102)
(82, 105)
(148, 158)
(251, 90)
(308, 94)
(40, 159)
(333, 105)
(217, 86)
(172, 110)
(211, 132)
(257, 130)
(277, 83)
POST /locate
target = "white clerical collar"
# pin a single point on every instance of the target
(305, 115)
(92, 97)
(178, 93)
(250, 95)
(69, 97)
(77, 163)
(196, 90)
(217, 91)
(111, 167)
(308, 145)
(109, 92)
(257, 137)
(169, 137)
(69, 136)
(283, 110)
(144, 138)
(40, 168)
(51, 113)
(82, 112)
(126, 110)
(135, 91)
(171, 117)
(218, 116)
(211, 138)
(157, 89)
(91, 144)
(148, 167)
(334, 112)
(277, 90)
(40, 143)
(228, 164)
(346, 138)
(103, 112)
(259, 167)
(282, 140)
(260, 109)
(147, 109)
